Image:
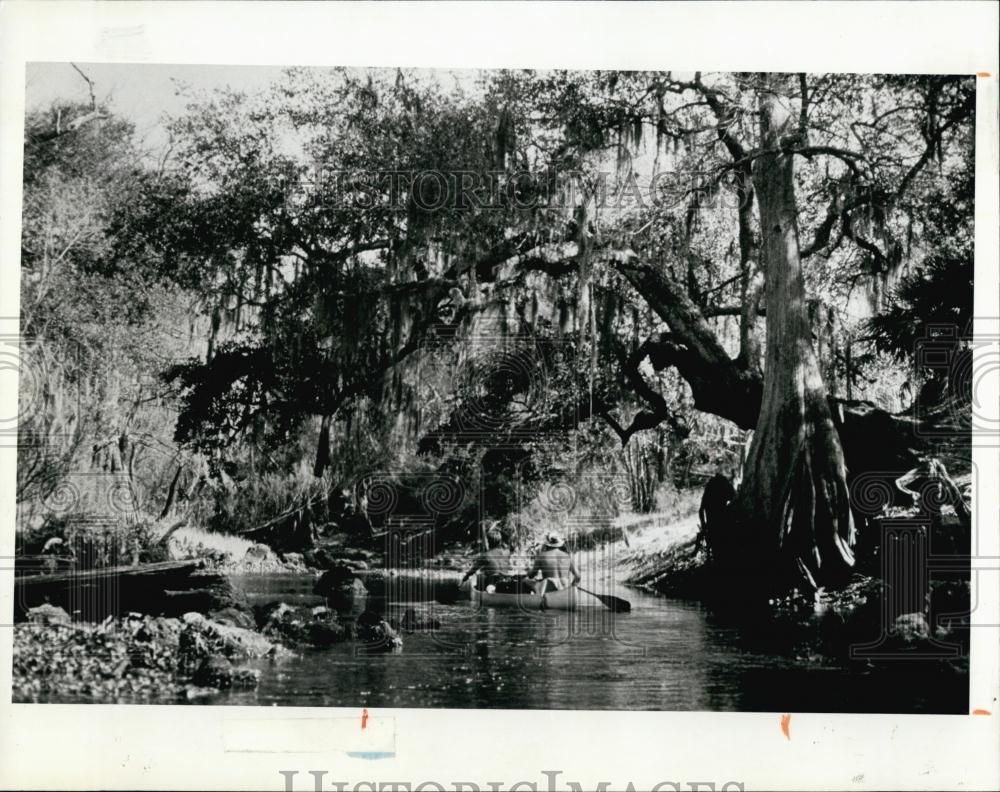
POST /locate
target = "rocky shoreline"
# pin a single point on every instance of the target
(189, 645)
(135, 659)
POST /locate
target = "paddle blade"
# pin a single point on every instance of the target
(615, 604)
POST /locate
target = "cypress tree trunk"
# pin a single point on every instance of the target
(794, 496)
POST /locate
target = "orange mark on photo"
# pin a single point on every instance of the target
(981, 712)
(982, 74)
(785, 720)
(364, 718)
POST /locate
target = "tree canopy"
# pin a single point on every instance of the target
(410, 254)
(332, 215)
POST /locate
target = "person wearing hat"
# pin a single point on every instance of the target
(493, 564)
(555, 564)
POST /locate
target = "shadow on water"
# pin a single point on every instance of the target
(667, 654)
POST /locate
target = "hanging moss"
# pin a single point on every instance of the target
(609, 314)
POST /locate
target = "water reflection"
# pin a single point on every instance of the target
(665, 655)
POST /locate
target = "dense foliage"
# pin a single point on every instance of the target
(512, 278)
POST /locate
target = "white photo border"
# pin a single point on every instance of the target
(122, 747)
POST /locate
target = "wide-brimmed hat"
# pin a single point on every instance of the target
(552, 539)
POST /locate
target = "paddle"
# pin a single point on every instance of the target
(616, 604)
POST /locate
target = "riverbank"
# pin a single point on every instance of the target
(171, 631)
(859, 623)
(213, 639)
(192, 644)
(135, 659)
(148, 658)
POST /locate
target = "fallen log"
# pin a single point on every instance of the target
(93, 594)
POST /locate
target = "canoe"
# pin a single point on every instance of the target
(568, 599)
(493, 600)
(571, 599)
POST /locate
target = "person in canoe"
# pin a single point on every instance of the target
(555, 565)
(493, 565)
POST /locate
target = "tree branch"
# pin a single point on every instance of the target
(848, 157)
(90, 85)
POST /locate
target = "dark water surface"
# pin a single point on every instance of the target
(666, 654)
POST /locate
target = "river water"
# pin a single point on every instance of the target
(667, 654)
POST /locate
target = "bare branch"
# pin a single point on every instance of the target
(90, 85)
(849, 158)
